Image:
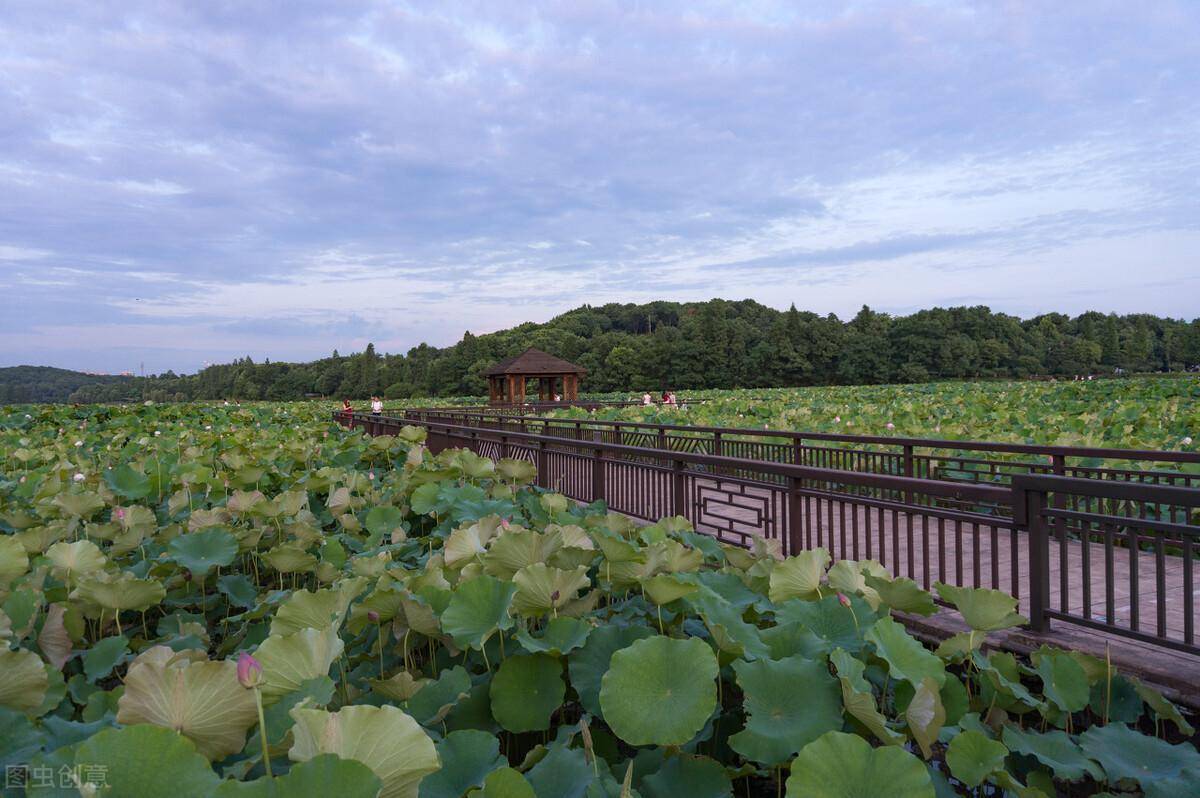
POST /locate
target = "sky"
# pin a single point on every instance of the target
(189, 182)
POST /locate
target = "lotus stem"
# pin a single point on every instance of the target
(262, 732)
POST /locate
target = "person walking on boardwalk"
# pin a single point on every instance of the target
(647, 399)
(376, 405)
(346, 408)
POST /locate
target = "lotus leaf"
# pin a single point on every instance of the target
(1055, 749)
(1128, 754)
(319, 777)
(101, 658)
(385, 739)
(588, 665)
(468, 757)
(925, 715)
(147, 761)
(200, 552)
(972, 757)
(799, 576)
(983, 609)
(124, 592)
(542, 589)
(906, 658)
(858, 699)
(316, 610)
(81, 557)
(292, 659)
(201, 700)
(659, 672)
(477, 610)
(839, 765)
(789, 703)
(526, 691)
(1063, 681)
(25, 680)
(504, 783)
(902, 595)
(561, 636)
(13, 560)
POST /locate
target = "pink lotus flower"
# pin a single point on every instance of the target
(370, 475)
(845, 602)
(890, 425)
(249, 670)
(118, 513)
(837, 419)
(504, 523)
(78, 477)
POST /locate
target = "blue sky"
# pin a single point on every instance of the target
(190, 182)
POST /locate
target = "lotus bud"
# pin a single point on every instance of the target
(844, 600)
(249, 671)
(372, 616)
(118, 513)
(837, 419)
(1187, 441)
(890, 425)
(370, 475)
(78, 444)
(78, 477)
(554, 596)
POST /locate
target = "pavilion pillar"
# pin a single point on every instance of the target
(521, 389)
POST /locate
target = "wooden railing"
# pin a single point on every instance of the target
(1011, 535)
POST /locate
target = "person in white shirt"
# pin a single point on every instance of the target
(647, 399)
(376, 405)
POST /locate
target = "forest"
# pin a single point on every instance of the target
(713, 344)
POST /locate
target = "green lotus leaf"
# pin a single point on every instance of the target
(1161, 706)
(24, 682)
(319, 777)
(831, 624)
(665, 588)
(925, 715)
(244, 502)
(290, 558)
(565, 773)
(200, 552)
(554, 503)
(290, 502)
(902, 594)
(983, 609)
(382, 521)
(906, 657)
(542, 589)
(385, 739)
(659, 672)
(81, 557)
(799, 576)
(203, 518)
(515, 548)
(517, 472)
(339, 501)
(789, 703)
(1055, 749)
(847, 576)
(972, 757)
(839, 765)
(526, 691)
(1128, 754)
(54, 641)
(561, 636)
(729, 630)
(13, 560)
(1063, 681)
(147, 761)
(201, 700)
(504, 783)
(240, 591)
(588, 665)
(999, 672)
(433, 702)
(468, 756)
(858, 699)
(478, 609)
(693, 776)
(469, 541)
(100, 660)
(290, 660)
(79, 505)
(316, 610)
(399, 687)
(127, 483)
(124, 592)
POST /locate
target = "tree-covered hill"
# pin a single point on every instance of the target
(717, 344)
(45, 384)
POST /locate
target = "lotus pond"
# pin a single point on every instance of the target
(249, 601)
(1132, 413)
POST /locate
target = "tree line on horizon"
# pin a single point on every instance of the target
(714, 344)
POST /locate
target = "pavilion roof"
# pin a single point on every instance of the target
(534, 361)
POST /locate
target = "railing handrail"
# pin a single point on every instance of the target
(943, 488)
(922, 443)
(1174, 495)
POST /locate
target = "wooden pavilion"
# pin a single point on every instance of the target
(507, 379)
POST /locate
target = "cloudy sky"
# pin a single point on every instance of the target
(183, 182)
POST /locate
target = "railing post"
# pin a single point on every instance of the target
(598, 474)
(679, 489)
(503, 446)
(543, 471)
(1034, 501)
(662, 438)
(793, 540)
